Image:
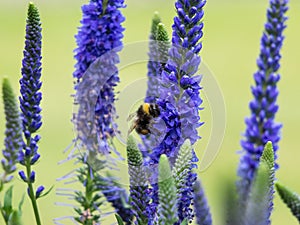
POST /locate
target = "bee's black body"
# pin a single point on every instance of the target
(144, 116)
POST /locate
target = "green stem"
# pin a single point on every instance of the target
(34, 204)
(89, 192)
(31, 190)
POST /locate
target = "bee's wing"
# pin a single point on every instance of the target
(132, 127)
(152, 128)
(130, 117)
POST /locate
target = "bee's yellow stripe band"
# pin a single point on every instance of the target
(146, 107)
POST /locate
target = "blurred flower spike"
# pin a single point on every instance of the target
(13, 133)
(261, 126)
(98, 41)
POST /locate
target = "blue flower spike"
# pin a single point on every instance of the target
(201, 207)
(179, 97)
(13, 133)
(99, 39)
(30, 100)
(261, 126)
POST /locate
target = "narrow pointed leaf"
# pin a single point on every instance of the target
(119, 219)
(15, 218)
(7, 207)
(291, 199)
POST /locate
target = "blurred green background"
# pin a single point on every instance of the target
(230, 47)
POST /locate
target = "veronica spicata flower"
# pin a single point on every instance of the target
(158, 55)
(261, 126)
(179, 93)
(138, 183)
(30, 104)
(13, 133)
(202, 213)
(30, 95)
(98, 40)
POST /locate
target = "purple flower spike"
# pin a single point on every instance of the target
(101, 31)
(261, 126)
(30, 85)
(202, 212)
(179, 93)
(98, 41)
(13, 132)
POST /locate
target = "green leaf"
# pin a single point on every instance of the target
(15, 218)
(7, 207)
(119, 219)
(259, 204)
(21, 203)
(1, 185)
(166, 193)
(10, 215)
(290, 198)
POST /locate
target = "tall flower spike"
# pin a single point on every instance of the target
(202, 212)
(99, 36)
(167, 209)
(179, 93)
(13, 133)
(182, 171)
(158, 55)
(138, 183)
(99, 41)
(101, 32)
(261, 126)
(30, 99)
(118, 197)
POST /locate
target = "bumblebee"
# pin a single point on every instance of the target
(144, 118)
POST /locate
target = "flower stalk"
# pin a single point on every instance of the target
(30, 104)
(261, 126)
(13, 133)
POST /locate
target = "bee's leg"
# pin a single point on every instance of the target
(130, 117)
(133, 126)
